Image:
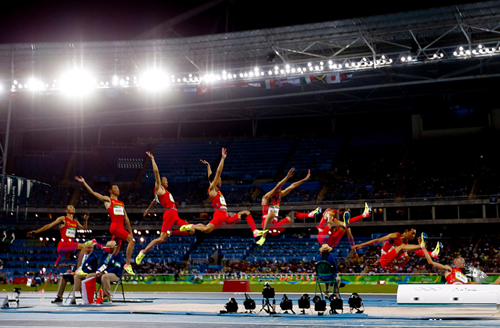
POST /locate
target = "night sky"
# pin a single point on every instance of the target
(107, 20)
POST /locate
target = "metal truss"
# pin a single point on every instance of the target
(423, 33)
(443, 49)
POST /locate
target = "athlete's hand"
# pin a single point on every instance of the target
(355, 247)
(150, 155)
(224, 153)
(308, 176)
(31, 233)
(204, 162)
(79, 179)
(290, 173)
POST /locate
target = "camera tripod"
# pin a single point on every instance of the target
(266, 306)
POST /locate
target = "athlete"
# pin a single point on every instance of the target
(271, 205)
(396, 248)
(119, 218)
(170, 217)
(68, 226)
(331, 230)
(218, 203)
(454, 273)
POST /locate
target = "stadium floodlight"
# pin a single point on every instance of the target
(154, 80)
(35, 85)
(77, 82)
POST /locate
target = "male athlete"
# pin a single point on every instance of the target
(218, 203)
(119, 218)
(395, 249)
(331, 230)
(170, 217)
(271, 205)
(68, 226)
(453, 273)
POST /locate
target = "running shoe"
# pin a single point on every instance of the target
(313, 213)
(139, 257)
(422, 239)
(367, 211)
(91, 242)
(107, 301)
(435, 252)
(186, 227)
(57, 300)
(261, 241)
(257, 233)
(129, 269)
(80, 272)
(347, 217)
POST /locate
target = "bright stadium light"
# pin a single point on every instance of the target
(77, 82)
(35, 85)
(154, 80)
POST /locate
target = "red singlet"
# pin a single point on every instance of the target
(456, 277)
(68, 232)
(116, 211)
(166, 200)
(218, 202)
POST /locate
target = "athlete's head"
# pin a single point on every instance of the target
(70, 209)
(458, 263)
(212, 177)
(164, 182)
(114, 190)
(409, 234)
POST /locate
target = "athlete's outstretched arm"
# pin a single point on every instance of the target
(393, 235)
(296, 184)
(209, 169)
(151, 205)
(351, 241)
(437, 265)
(268, 195)
(59, 220)
(85, 221)
(156, 172)
(97, 195)
(218, 173)
(127, 223)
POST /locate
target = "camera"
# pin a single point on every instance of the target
(336, 303)
(356, 303)
(268, 291)
(231, 306)
(286, 304)
(249, 303)
(305, 301)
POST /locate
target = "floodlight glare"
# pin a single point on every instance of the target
(36, 85)
(77, 82)
(154, 80)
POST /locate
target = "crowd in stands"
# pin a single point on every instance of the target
(383, 165)
(32, 256)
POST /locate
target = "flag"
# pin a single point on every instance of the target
(333, 78)
(257, 85)
(269, 84)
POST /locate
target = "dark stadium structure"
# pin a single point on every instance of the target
(398, 110)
